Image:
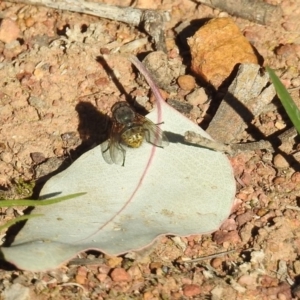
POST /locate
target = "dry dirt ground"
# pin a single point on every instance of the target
(53, 84)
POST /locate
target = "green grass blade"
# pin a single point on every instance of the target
(18, 219)
(288, 103)
(21, 202)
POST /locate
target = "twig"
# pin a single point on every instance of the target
(294, 89)
(74, 284)
(151, 21)
(210, 256)
(253, 10)
(197, 139)
(292, 207)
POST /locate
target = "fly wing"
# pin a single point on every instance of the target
(154, 135)
(105, 152)
(112, 150)
(116, 151)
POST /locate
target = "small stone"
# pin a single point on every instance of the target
(120, 274)
(221, 237)
(38, 103)
(37, 157)
(149, 296)
(297, 267)
(280, 162)
(191, 290)
(16, 291)
(247, 280)
(80, 279)
(9, 30)
(29, 67)
(155, 265)
(102, 277)
(244, 218)
(261, 212)
(81, 275)
(296, 82)
(216, 48)
(228, 225)
(29, 22)
(114, 261)
(6, 156)
(197, 97)
(135, 272)
(186, 82)
(287, 50)
(281, 296)
(295, 177)
(279, 180)
(216, 262)
(280, 125)
(12, 49)
(158, 66)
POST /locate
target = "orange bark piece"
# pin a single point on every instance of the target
(216, 48)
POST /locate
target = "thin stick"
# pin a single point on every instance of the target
(292, 207)
(151, 21)
(210, 256)
(253, 10)
(197, 139)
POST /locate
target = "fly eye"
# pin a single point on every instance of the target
(124, 115)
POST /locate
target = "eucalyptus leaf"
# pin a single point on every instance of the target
(181, 189)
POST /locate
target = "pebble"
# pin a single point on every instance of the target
(228, 225)
(197, 97)
(155, 265)
(280, 162)
(244, 218)
(16, 291)
(281, 296)
(216, 48)
(295, 177)
(29, 22)
(296, 82)
(186, 82)
(81, 275)
(280, 125)
(279, 180)
(114, 261)
(191, 290)
(102, 277)
(221, 237)
(12, 49)
(135, 272)
(6, 156)
(286, 50)
(247, 280)
(9, 30)
(37, 157)
(120, 274)
(297, 267)
(216, 262)
(158, 66)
